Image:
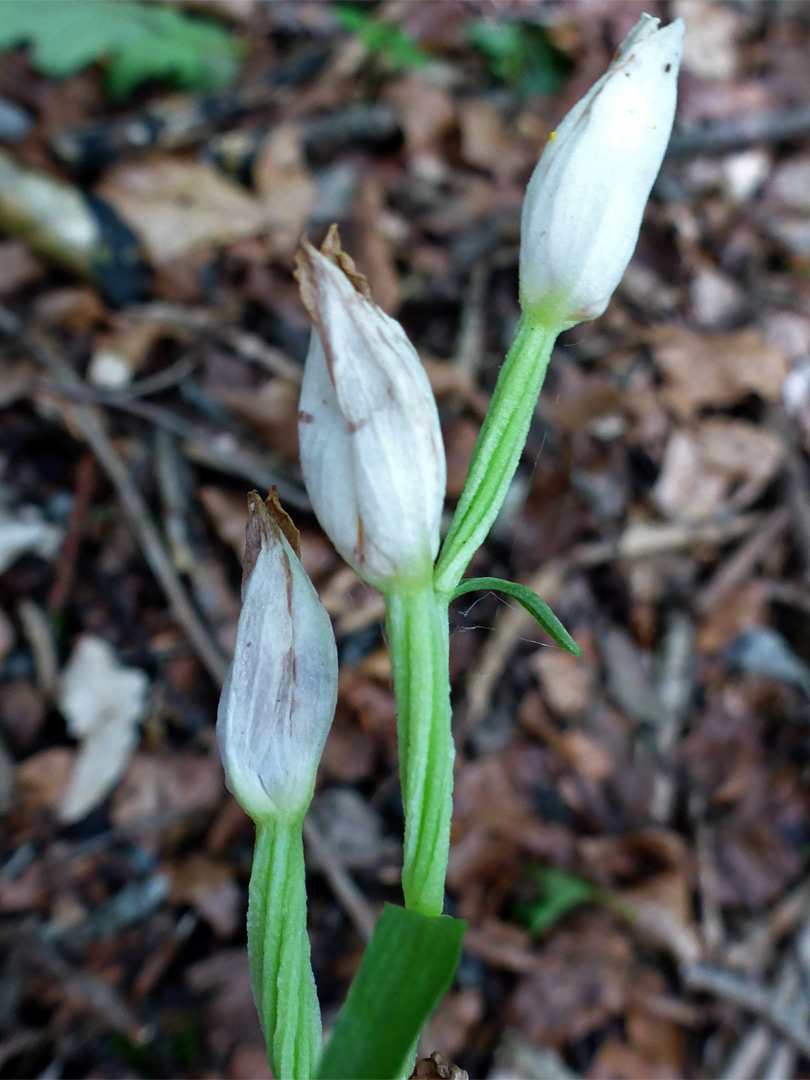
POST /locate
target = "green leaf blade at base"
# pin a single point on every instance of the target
(406, 968)
(529, 600)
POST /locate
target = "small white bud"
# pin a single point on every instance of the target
(368, 427)
(279, 697)
(585, 200)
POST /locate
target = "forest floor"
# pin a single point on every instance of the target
(631, 827)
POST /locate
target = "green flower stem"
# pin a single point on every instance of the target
(278, 950)
(418, 638)
(497, 451)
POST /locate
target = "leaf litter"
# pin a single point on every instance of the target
(662, 508)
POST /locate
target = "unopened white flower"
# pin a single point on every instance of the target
(585, 200)
(279, 697)
(369, 434)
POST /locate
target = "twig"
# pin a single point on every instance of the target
(66, 563)
(89, 421)
(100, 999)
(247, 346)
(354, 903)
(39, 632)
(216, 449)
(741, 563)
(782, 1062)
(739, 132)
(674, 694)
(711, 916)
(748, 995)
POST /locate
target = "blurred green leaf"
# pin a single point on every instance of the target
(134, 41)
(406, 968)
(560, 892)
(394, 46)
(520, 54)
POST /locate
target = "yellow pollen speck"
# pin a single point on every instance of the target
(552, 136)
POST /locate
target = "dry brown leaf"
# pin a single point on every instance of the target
(652, 867)
(174, 782)
(567, 681)
(486, 143)
(583, 979)
(103, 703)
(22, 711)
(745, 607)
(710, 49)
(209, 887)
(285, 186)
(426, 113)
(249, 1060)
(271, 410)
(719, 466)
(459, 442)
(120, 355)
(715, 369)
(229, 515)
(18, 267)
(451, 1024)
(175, 206)
(616, 1060)
(42, 779)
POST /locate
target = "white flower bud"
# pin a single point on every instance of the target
(368, 428)
(279, 697)
(586, 197)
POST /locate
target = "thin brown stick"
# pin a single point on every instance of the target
(354, 903)
(89, 421)
(748, 995)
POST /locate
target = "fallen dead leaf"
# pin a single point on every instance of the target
(175, 206)
(710, 49)
(103, 702)
(715, 369)
(208, 885)
(180, 782)
(583, 978)
(486, 143)
(425, 112)
(285, 185)
(720, 466)
(121, 354)
(24, 532)
(22, 712)
(745, 607)
(42, 779)
(567, 681)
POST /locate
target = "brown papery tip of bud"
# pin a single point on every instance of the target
(305, 271)
(266, 519)
(332, 250)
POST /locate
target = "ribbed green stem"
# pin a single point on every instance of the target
(278, 950)
(497, 451)
(418, 638)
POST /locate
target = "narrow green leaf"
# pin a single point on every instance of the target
(408, 965)
(536, 607)
(520, 54)
(392, 44)
(561, 892)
